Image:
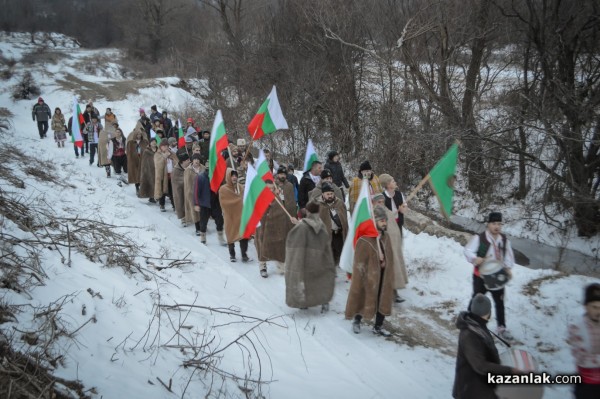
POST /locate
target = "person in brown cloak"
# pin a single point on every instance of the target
(309, 265)
(137, 142)
(231, 196)
(189, 177)
(177, 184)
(147, 172)
(372, 287)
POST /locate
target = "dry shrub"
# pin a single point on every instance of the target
(26, 89)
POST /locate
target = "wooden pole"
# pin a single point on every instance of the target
(250, 145)
(419, 186)
(282, 207)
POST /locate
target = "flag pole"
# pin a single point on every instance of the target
(282, 207)
(416, 189)
(250, 145)
(381, 257)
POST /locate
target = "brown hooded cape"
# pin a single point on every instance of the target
(231, 203)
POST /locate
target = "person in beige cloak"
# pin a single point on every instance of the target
(136, 145)
(309, 265)
(147, 172)
(393, 231)
(164, 162)
(177, 184)
(270, 236)
(110, 126)
(59, 127)
(189, 176)
(372, 287)
(231, 196)
(287, 196)
(334, 215)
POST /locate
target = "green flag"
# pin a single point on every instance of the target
(442, 178)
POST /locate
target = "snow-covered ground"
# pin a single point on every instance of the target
(303, 353)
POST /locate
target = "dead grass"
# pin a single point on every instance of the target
(111, 90)
(533, 287)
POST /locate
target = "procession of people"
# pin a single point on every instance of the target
(304, 230)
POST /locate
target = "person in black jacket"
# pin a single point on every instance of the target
(477, 354)
(309, 180)
(334, 165)
(41, 112)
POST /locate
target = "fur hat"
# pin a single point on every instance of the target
(326, 173)
(366, 165)
(379, 213)
(493, 217)
(326, 188)
(592, 293)
(153, 107)
(241, 142)
(377, 197)
(385, 179)
(172, 140)
(481, 305)
(182, 155)
(332, 154)
(281, 169)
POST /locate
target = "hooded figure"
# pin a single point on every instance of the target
(231, 196)
(477, 354)
(310, 270)
(147, 172)
(372, 286)
(177, 184)
(334, 215)
(137, 142)
(189, 177)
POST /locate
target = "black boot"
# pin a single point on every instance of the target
(232, 252)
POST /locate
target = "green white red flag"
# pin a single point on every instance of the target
(311, 156)
(257, 198)
(218, 143)
(262, 167)
(268, 119)
(76, 123)
(154, 136)
(361, 224)
(181, 137)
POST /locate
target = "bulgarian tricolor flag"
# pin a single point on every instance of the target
(262, 167)
(257, 198)
(311, 156)
(154, 136)
(268, 119)
(361, 224)
(218, 143)
(181, 137)
(76, 123)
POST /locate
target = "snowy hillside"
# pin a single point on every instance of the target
(130, 323)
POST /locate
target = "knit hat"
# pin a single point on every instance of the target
(379, 213)
(332, 154)
(326, 173)
(494, 216)
(592, 293)
(153, 107)
(326, 188)
(385, 179)
(377, 197)
(190, 120)
(281, 169)
(481, 305)
(365, 166)
(164, 142)
(141, 111)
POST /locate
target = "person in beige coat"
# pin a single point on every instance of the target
(164, 161)
(59, 127)
(147, 172)
(231, 196)
(393, 230)
(189, 177)
(334, 215)
(177, 184)
(372, 287)
(136, 144)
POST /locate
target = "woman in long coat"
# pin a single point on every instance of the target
(137, 142)
(189, 177)
(147, 172)
(59, 128)
(104, 138)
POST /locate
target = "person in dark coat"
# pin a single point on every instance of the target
(293, 179)
(477, 354)
(167, 123)
(41, 112)
(207, 203)
(334, 165)
(309, 180)
(154, 114)
(394, 200)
